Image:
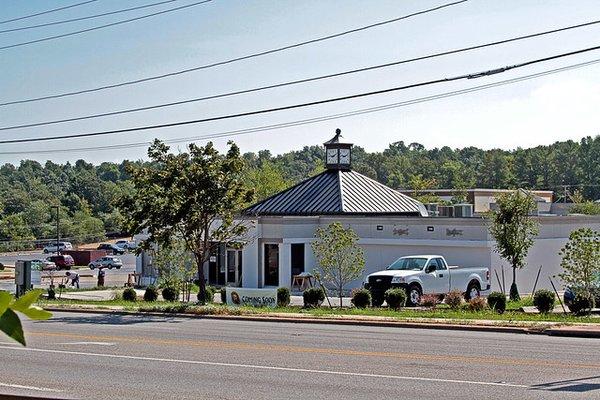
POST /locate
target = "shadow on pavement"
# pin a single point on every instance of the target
(109, 319)
(571, 385)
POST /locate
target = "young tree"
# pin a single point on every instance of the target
(338, 255)
(191, 197)
(175, 265)
(514, 230)
(581, 260)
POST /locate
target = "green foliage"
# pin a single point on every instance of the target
(313, 297)
(191, 196)
(209, 295)
(587, 207)
(429, 300)
(454, 299)
(267, 179)
(151, 293)
(497, 302)
(582, 304)
(10, 323)
(129, 294)
(544, 300)
(361, 298)
(581, 260)
(174, 263)
(395, 298)
(477, 304)
(223, 295)
(283, 297)
(513, 229)
(340, 258)
(170, 293)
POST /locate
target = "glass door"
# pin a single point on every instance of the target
(271, 264)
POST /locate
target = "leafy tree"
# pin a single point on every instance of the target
(175, 265)
(10, 323)
(338, 255)
(191, 197)
(581, 260)
(267, 180)
(15, 234)
(514, 230)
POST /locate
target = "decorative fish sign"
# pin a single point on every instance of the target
(454, 232)
(400, 231)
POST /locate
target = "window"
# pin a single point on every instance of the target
(441, 265)
(297, 258)
(271, 264)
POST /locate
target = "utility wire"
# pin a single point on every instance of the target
(319, 119)
(229, 61)
(283, 84)
(302, 105)
(86, 17)
(10, 46)
(45, 12)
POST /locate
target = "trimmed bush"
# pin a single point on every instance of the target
(283, 297)
(129, 294)
(361, 298)
(497, 302)
(151, 293)
(1, 267)
(454, 299)
(313, 297)
(223, 295)
(544, 300)
(477, 304)
(429, 300)
(170, 293)
(209, 294)
(581, 304)
(395, 298)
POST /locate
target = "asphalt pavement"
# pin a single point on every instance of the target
(99, 356)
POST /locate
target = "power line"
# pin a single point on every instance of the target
(322, 118)
(85, 18)
(46, 12)
(44, 39)
(231, 60)
(289, 83)
(302, 105)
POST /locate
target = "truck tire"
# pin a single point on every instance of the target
(473, 290)
(413, 295)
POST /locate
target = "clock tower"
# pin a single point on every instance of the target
(338, 155)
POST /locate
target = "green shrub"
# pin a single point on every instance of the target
(223, 295)
(1, 267)
(544, 300)
(429, 300)
(477, 304)
(582, 304)
(151, 293)
(170, 293)
(454, 299)
(51, 294)
(283, 297)
(313, 297)
(361, 298)
(129, 294)
(395, 298)
(497, 302)
(209, 294)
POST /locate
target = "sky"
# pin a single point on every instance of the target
(539, 111)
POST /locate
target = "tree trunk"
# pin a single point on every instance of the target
(340, 299)
(201, 282)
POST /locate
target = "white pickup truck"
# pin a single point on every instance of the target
(426, 274)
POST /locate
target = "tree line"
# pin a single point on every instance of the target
(87, 194)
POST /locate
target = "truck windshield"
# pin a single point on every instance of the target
(408, 263)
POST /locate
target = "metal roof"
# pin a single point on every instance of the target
(338, 192)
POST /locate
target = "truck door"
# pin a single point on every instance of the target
(438, 279)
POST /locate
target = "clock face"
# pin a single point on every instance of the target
(344, 156)
(332, 156)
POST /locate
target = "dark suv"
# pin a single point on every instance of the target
(111, 247)
(62, 261)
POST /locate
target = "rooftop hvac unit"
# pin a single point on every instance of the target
(463, 210)
(432, 209)
(446, 211)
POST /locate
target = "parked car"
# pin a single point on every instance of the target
(109, 262)
(571, 292)
(427, 274)
(126, 244)
(52, 248)
(45, 264)
(63, 261)
(111, 247)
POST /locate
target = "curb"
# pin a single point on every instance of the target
(323, 321)
(569, 332)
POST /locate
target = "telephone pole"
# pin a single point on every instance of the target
(57, 230)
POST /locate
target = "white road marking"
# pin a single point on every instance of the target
(10, 343)
(88, 343)
(40, 389)
(267, 367)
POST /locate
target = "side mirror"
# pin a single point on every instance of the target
(429, 269)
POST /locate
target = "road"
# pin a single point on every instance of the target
(89, 279)
(95, 356)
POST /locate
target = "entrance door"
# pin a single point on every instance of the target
(271, 264)
(297, 259)
(234, 267)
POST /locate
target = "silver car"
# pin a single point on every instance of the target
(109, 262)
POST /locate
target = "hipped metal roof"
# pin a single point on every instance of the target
(338, 192)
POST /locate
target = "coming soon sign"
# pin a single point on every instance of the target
(251, 297)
